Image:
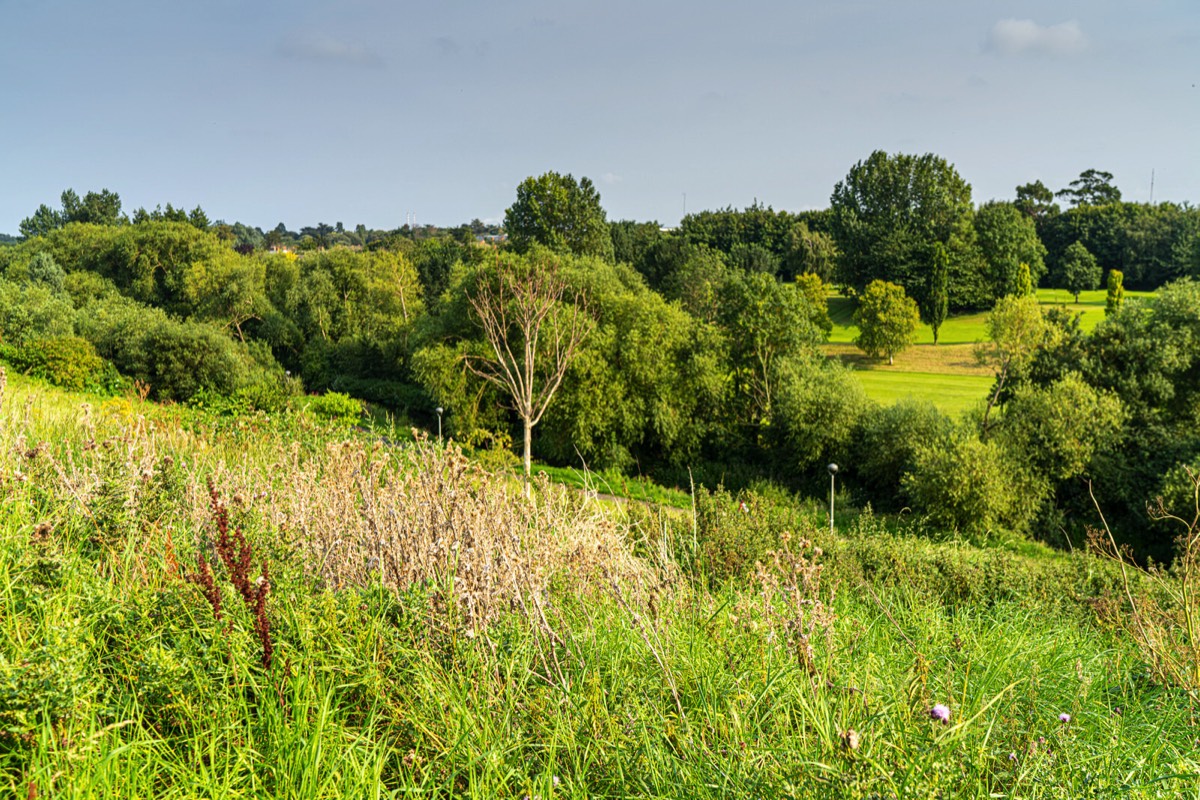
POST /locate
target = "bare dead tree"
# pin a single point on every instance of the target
(535, 331)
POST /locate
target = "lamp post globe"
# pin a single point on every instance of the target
(439, 413)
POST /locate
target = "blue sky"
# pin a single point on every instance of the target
(367, 111)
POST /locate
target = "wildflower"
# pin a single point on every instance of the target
(1012, 757)
(940, 712)
(1064, 718)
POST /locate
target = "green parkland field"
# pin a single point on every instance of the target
(946, 374)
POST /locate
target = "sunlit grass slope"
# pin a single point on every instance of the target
(952, 394)
(435, 634)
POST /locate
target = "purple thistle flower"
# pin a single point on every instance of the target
(940, 712)
(1064, 718)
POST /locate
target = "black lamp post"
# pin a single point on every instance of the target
(832, 477)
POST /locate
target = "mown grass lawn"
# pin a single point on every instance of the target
(952, 394)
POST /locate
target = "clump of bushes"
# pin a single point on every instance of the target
(67, 361)
(175, 358)
(885, 447)
(336, 407)
(962, 483)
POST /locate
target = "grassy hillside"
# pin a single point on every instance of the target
(193, 606)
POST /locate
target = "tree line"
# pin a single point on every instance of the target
(698, 348)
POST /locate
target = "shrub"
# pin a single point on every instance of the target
(886, 443)
(33, 311)
(818, 404)
(965, 484)
(338, 407)
(68, 361)
(176, 359)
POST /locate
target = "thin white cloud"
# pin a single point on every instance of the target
(611, 178)
(326, 49)
(1015, 36)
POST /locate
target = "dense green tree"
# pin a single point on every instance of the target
(1146, 354)
(96, 208)
(887, 320)
(1093, 187)
(33, 311)
(1058, 428)
(697, 281)
(45, 270)
(665, 259)
(1017, 330)
(935, 305)
(1078, 271)
(887, 214)
(885, 444)
(963, 483)
(753, 257)
(248, 237)
(767, 322)
(176, 359)
(817, 409)
(227, 289)
(198, 218)
(1025, 285)
(662, 374)
(67, 361)
(1007, 238)
(41, 222)
(1035, 201)
(633, 240)
(561, 214)
(810, 252)
(761, 239)
(1150, 244)
(815, 293)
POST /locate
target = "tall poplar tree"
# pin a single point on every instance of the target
(936, 306)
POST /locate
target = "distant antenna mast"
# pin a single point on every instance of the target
(1152, 186)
